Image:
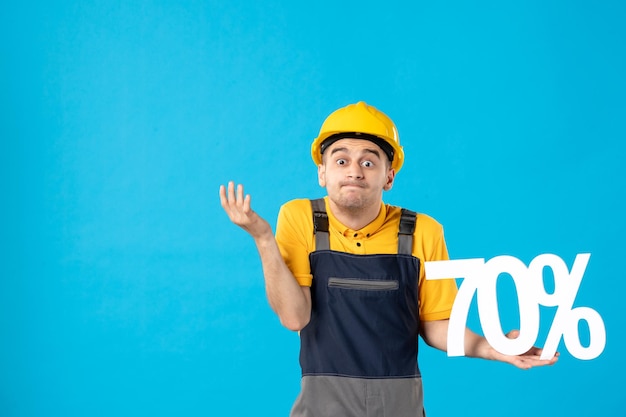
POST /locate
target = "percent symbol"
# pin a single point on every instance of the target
(480, 278)
(566, 319)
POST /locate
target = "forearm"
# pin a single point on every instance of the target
(290, 301)
(476, 346)
(435, 334)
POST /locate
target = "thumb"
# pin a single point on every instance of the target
(512, 334)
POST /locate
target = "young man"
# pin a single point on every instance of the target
(347, 272)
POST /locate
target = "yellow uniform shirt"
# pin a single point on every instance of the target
(294, 234)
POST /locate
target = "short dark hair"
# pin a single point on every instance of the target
(386, 147)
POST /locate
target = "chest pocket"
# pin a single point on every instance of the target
(363, 284)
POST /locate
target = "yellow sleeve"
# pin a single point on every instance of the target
(294, 235)
(436, 297)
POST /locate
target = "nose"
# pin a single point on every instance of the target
(355, 171)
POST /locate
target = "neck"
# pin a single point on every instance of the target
(355, 218)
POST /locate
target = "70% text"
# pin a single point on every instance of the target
(480, 277)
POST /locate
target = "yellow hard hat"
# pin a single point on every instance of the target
(360, 121)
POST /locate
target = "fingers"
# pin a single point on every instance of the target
(240, 194)
(231, 197)
(231, 193)
(246, 204)
(528, 360)
(237, 206)
(532, 361)
(223, 199)
(235, 202)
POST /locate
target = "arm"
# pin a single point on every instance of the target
(290, 301)
(435, 334)
(437, 296)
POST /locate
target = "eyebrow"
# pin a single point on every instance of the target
(366, 150)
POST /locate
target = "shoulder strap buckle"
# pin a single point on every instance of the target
(320, 224)
(405, 232)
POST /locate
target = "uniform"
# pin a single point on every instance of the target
(359, 351)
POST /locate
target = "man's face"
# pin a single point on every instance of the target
(355, 172)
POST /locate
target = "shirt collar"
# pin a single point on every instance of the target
(366, 231)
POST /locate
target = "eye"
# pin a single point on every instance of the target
(341, 162)
(367, 164)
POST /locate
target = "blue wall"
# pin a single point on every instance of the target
(124, 289)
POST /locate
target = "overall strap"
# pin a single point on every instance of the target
(405, 232)
(322, 239)
(320, 224)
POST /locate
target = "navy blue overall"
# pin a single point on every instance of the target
(359, 351)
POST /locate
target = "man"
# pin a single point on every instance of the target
(348, 273)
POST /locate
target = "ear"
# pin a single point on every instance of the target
(321, 175)
(391, 175)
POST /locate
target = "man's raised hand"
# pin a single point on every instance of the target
(239, 211)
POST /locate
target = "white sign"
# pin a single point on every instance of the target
(479, 277)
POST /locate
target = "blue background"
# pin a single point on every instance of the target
(125, 290)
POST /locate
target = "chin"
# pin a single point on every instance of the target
(351, 203)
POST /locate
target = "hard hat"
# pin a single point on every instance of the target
(360, 121)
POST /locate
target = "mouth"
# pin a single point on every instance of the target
(353, 185)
